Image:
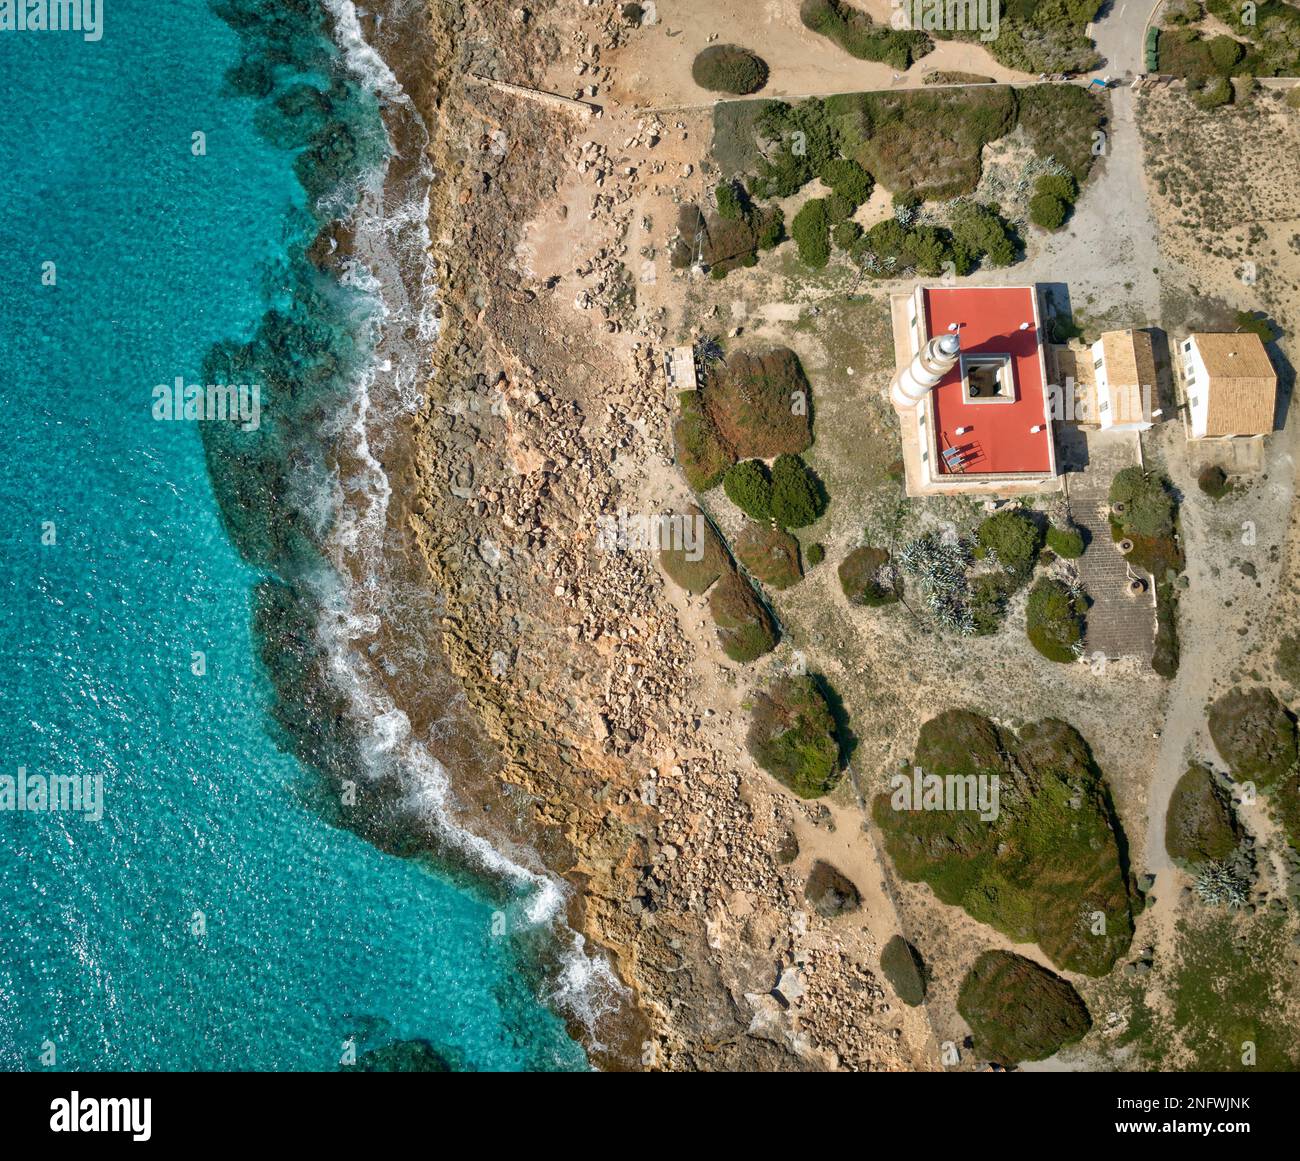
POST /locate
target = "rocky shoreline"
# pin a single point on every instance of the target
(581, 668)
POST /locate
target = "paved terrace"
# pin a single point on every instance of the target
(1118, 625)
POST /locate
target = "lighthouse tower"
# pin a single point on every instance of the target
(912, 383)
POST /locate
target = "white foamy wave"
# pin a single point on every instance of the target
(587, 986)
(395, 272)
(365, 63)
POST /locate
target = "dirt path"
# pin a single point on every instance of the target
(1233, 567)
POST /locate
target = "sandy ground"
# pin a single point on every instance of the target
(658, 58)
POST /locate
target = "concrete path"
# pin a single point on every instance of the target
(1120, 36)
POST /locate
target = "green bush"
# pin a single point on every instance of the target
(1255, 734)
(1200, 826)
(745, 628)
(1053, 805)
(889, 250)
(701, 452)
(989, 593)
(1054, 620)
(772, 231)
(815, 555)
(1257, 322)
(770, 555)
(1213, 93)
(733, 201)
(847, 179)
(1148, 503)
(1014, 538)
(748, 487)
(760, 403)
(796, 498)
(792, 736)
(1287, 659)
(857, 35)
(1058, 185)
(978, 232)
(810, 230)
(1018, 1010)
(726, 68)
(796, 142)
(1047, 210)
(1067, 543)
(846, 235)
(695, 576)
(838, 209)
(905, 971)
(1213, 481)
(864, 579)
(1225, 52)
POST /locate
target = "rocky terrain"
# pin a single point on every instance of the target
(545, 412)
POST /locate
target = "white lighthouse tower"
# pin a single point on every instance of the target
(932, 362)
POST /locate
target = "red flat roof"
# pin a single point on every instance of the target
(999, 439)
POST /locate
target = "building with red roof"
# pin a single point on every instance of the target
(971, 391)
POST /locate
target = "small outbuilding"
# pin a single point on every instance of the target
(1230, 384)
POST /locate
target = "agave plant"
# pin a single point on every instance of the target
(708, 351)
(940, 567)
(1221, 882)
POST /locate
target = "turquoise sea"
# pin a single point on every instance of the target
(214, 918)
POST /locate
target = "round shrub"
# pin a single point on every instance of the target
(796, 498)
(838, 209)
(1059, 185)
(1200, 826)
(792, 736)
(1047, 210)
(1213, 481)
(1148, 502)
(771, 229)
(866, 578)
(1215, 92)
(978, 232)
(1255, 734)
(732, 200)
(745, 628)
(847, 179)
(1013, 538)
(1225, 52)
(1053, 620)
(1067, 543)
(815, 555)
(810, 230)
(905, 970)
(726, 68)
(1018, 1010)
(748, 487)
(846, 234)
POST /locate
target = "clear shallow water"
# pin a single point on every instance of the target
(311, 935)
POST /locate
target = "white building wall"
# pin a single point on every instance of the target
(1196, 385)
(1105, 405)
